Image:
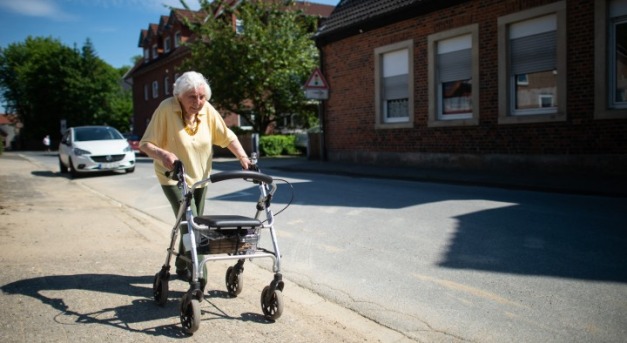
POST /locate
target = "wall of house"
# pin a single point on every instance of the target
(580, 141)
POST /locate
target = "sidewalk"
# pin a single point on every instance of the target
(78, 267)
(571, 183)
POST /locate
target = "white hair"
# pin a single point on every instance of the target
(191, 80)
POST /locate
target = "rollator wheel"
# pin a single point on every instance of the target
(160, 289)
(272, 306)
(234, 281)
(190, 314)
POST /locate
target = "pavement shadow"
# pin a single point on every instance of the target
(218, 313)
(52, 174)
(139, 310)
(529, 240)
(121, 317)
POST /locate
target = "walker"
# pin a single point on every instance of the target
(222, 237)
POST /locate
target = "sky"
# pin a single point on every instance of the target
(113, 26)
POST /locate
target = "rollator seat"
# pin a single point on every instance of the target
(227, 221)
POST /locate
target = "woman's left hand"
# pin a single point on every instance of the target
(244, 162)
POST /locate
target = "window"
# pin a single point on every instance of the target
(610, 87)
(532, 65)
(166, 86)
(155, 52)
(166, 44)
(155, 89)
(453, 69)
(394, 98)
(146, 55)
(618, 63)
(177, 39)
(239, 26)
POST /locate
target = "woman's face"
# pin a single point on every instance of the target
(193, 100)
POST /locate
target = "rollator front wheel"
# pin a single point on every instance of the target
(160, 288)
(234, 281)
(190, 313)
(271, 304)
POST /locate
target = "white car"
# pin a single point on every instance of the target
(86, 149)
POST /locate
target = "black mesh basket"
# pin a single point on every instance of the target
(231, 241)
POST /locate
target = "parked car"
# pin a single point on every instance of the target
(85, 149)
(133, 141)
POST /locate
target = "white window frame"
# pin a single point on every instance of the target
(604, 55)
(146, 54)
(166, 44)
(239, 26)
(381, 120)
(155, 89)
(436, 119)
(155, 52)
(177, 39)
(166, 85)
(507, 83)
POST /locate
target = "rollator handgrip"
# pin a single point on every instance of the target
(244, 174)
(173, 174)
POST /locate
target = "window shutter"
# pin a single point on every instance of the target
(534, 53)
(455, 65)
(396, 87)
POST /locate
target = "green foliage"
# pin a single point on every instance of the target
(258, 71)
(275, 145)
(43, 81)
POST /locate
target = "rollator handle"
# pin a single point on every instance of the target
(243, 174)
(174, 173)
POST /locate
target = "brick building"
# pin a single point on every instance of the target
(164, 51)
(477, 84)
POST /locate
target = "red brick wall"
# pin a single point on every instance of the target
(348, 65)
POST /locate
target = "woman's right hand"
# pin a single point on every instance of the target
(168, 159)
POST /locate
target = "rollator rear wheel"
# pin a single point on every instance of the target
(160, 288)
(234, 281)
(190, 314)
(271, 305)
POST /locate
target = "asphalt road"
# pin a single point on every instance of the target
(77, 266)
(447, 262)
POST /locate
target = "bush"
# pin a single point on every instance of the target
(275, 145)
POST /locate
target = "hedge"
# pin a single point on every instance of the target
(275, 145)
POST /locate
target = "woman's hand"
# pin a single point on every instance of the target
(244, 161)
(167, 159)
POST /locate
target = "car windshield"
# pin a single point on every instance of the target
(82, 134)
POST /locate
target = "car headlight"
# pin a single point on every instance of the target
(79, 152)
(128, 149)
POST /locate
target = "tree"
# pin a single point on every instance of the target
(257, 69)
(43, 81)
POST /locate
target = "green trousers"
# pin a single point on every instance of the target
(173, 193)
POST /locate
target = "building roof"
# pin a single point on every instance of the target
(352, 17)
(314, 9)
(8, 119)
(183, 16)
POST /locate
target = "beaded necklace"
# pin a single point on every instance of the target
(190, 131)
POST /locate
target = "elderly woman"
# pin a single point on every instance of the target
(185, 127)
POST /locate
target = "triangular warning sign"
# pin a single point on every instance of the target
(316, 81)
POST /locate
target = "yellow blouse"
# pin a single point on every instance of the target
(166, 131)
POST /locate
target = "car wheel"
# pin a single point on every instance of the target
(130, 170)
(73, 171)
(62, 167)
